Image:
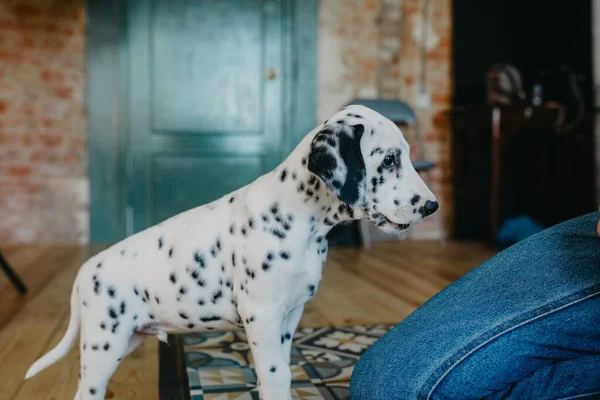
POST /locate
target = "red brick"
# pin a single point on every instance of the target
(3, 107)
(63, 93)
(50, 141)
(19, 171)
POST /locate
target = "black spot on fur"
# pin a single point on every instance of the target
(115, 325)
(183, 315)
(264, 217)
(304, 161)
(265, 266)
(146, 294)
(311, 289)
(95, 347)
(278, 233)
(122, 308)
(102, 325)
(92, 391)
(415, 199)
(182, 290)
(111, 291)
(123, 252)
(210, 318)
(273, 368)
(232, 229)
(285, 255)
(99, 265)
(173, 278)
(328, 222)
(112, 313)
(157, 299)
(283, 175)
(190, 326)
(231, 199)
(106, 346)
(85, 304)
(170, 252)
(270, 256)
(160, 242)
(136, 291)
(199, 258)
(216, 296)
(201, 302)
(294, 176)
(288, 336)
(274, 208)
(396, 202)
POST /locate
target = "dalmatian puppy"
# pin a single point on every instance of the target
(248, 260)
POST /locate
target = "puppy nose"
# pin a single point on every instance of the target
(430, 207)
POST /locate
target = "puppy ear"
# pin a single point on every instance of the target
(336, 158)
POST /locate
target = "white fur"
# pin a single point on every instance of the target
(264, 296)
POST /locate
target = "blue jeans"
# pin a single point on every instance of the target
(525, 324)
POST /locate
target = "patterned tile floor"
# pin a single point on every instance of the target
(220, 367)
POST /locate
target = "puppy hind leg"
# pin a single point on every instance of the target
(99, 361)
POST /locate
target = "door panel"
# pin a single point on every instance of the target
(202, 118)
(207, 56)
(234, 172)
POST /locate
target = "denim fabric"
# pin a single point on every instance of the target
(525, 324)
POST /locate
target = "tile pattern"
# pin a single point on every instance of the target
(219, 365)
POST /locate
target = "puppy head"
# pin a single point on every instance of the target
(365, 161)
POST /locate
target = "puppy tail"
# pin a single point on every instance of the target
(66, 343)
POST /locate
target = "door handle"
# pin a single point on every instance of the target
(270, 74)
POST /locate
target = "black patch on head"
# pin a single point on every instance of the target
(323, 163)
(415, 199)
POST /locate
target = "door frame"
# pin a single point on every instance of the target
(107, 64)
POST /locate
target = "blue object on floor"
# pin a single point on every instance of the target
(516, 229)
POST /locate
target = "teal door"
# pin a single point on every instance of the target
(189, 100)
(205, 101)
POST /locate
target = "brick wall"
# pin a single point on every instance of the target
(43, 174)
(367, 48)
(372, 48)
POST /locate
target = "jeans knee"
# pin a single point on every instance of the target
(375, 377)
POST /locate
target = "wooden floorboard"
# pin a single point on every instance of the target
(358, 287)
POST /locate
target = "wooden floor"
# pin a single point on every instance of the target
(382, 286)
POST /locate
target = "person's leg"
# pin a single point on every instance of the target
(524, 324)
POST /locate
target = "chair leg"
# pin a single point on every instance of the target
(365, 233)
(12, 275)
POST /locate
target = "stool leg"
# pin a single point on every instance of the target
(12, 275)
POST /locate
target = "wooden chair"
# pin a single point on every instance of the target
(12, 275)
(401, 113)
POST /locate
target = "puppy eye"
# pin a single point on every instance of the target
(389, 161)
